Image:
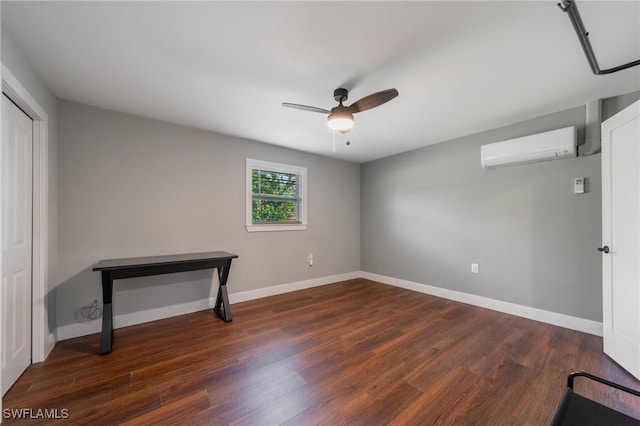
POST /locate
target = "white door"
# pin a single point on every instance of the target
(621, 237)
(17, 163)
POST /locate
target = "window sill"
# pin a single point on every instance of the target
(277, 227)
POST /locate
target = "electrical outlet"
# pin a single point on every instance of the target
(310, 259)
(474, 268)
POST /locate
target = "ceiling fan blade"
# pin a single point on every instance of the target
(306, 108)
(373, 100)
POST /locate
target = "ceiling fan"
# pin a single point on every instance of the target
(341, 117)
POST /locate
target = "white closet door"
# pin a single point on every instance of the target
(16, 166)
(621, 237)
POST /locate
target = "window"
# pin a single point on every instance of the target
(276, 197)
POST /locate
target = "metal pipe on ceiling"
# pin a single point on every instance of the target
(570, 7)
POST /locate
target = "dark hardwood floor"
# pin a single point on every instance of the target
(355, 352)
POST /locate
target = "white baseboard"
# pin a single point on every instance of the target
(554, 318)
(125, 320)
(286, 288)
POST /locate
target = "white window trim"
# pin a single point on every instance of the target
(302, 193)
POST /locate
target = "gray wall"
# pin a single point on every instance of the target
(428, 214)
(131, 186)
(616, 104)
(17, 63)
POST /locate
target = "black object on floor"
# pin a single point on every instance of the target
(578, 410)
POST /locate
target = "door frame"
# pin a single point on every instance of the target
(42, 338)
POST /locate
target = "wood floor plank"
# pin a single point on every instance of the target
(182, 411)
(434, 406)
(355, 352)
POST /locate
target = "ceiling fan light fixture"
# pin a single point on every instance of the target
(340, 117)
(340, 120)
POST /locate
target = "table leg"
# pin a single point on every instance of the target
(107, 313)
(223, 308)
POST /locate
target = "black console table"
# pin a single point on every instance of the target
(116, 269)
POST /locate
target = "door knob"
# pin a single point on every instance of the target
(604, 249)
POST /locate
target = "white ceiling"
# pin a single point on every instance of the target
(460, 67)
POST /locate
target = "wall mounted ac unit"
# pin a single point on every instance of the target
(551, 145)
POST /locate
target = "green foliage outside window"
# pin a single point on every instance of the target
(275, 197)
